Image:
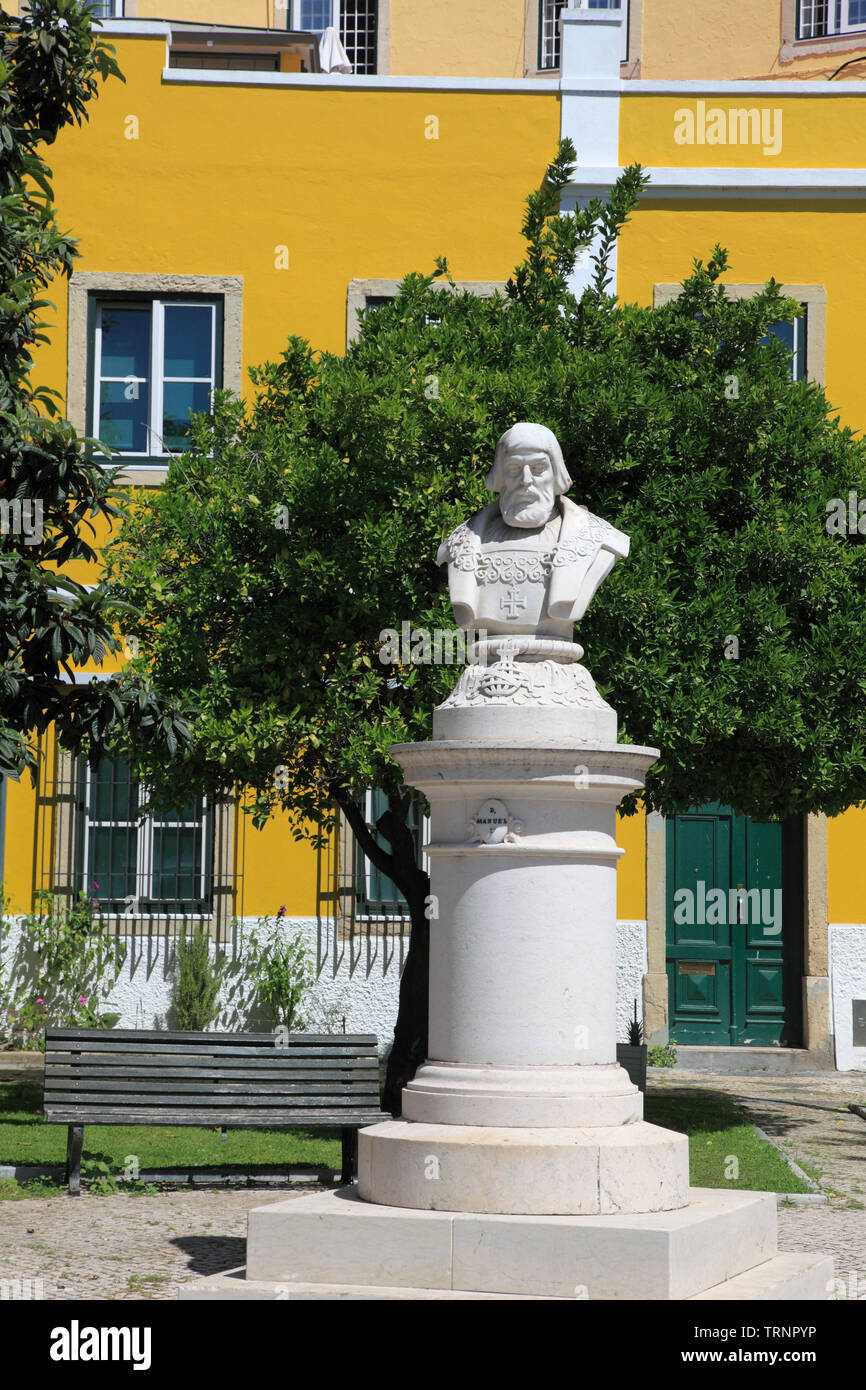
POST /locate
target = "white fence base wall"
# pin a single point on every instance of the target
(847, 982)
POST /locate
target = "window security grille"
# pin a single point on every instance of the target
(359, 909)
(138, 872)
(354, 20)
(548, 28)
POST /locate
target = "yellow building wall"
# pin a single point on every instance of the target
(458, 38)
(846, 887)
(705, 40)
(20, 849)
(816, 132)
(631, 869)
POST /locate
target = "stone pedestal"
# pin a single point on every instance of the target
(522, 1107)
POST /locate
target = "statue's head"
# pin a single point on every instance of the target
(529, 474)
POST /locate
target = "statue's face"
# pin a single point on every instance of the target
(528, 496)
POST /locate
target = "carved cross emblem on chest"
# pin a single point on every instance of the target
(511, 603)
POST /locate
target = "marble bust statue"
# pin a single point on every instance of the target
(530, 562)
(521, 572)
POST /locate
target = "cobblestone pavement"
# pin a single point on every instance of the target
(124, 1245)
(808, 1117)
(132, 1247)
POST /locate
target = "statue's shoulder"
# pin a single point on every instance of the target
(580, 524)
(461, 547)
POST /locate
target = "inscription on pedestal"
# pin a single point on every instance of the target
(492, 824)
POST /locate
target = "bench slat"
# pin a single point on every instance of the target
(211, 1088)
(223, 1065)
(144, 1035)
(172, 1097)
(215, 1119)
(267, 1072)
(205, 1050)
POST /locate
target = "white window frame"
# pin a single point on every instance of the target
(156, 380)
(296, 17)
(115, 9)
(145, 826)
(837, 20)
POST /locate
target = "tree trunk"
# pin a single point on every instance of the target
(409, 1048)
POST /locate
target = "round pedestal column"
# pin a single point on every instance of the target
(523, 994)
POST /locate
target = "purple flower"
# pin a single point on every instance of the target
(282, 911)
(81, 999)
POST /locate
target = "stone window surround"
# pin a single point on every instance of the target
(817, 1035)
(792, 48)
(813, 296)
(224, 884)
(630, 68)
(359, 291)
(85, 283)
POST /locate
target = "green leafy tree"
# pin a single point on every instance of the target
(306, 522)
(53, 492)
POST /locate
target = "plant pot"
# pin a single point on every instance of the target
(634, 1060)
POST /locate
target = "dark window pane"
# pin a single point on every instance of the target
(188, 340)
(179, 398)
(126, 341)
(123, 415)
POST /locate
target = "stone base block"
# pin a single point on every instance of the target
(528, 1172)
(336, 1239)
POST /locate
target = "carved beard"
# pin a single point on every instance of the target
(527, 508)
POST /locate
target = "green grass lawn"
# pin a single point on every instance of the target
(724, 1149)
(25, 1137)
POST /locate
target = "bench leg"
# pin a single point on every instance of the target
(350, 1155)
(74, 1141)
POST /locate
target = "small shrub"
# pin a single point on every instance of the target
(663, 1054)
(196, 995)
(281, 972)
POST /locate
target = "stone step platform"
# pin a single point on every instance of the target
(233, 1285)
(334, 1242)
(785, 1278)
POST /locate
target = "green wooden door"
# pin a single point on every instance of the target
(734, 929)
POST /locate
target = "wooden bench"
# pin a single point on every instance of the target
(230, 1080)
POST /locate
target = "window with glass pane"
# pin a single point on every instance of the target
(155, 361)
(376, 895)
(355, 21)
(817, 19)
(791, 333)
(548, 28)
(132, 864)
